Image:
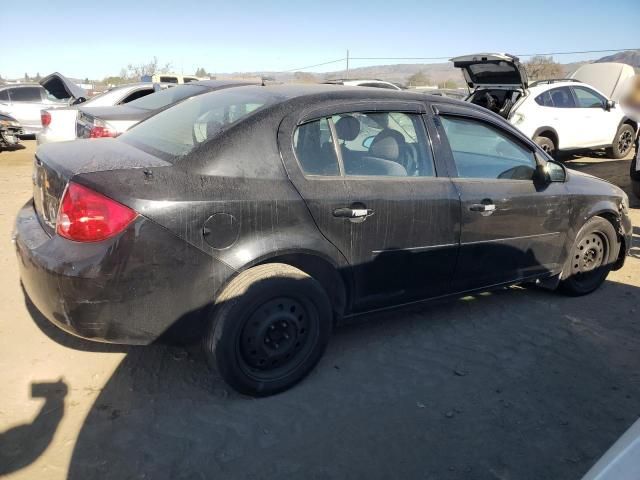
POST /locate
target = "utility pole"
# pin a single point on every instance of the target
(347, 64)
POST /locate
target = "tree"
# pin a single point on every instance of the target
(304, 77)
(134, 72)
(419, 79)
(26, 77)
(540, 67)
(201, 72)
(451, 84)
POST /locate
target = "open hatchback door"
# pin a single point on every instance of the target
(492, 70)
(63, 89)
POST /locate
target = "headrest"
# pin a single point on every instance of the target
(347, 128)
(386, 145)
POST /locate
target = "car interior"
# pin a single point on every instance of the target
(499, 101)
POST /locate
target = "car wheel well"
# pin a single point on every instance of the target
(614, 220)
(321, 270)
(630, 122)
(545, 132)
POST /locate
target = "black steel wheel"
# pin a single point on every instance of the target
(268, 330)
(546, 144)
(623, 142)
(594, 251)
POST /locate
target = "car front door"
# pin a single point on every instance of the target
(382, 204)
(564, 117)
(513, 228)
(600, 125)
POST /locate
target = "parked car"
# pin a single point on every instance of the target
(10, 131)
(610, 78)
(269, 213)
(169, 78)
(622, 460)
(634, 170)
(25, 101)
(559, 115)
(365, 83)
(99, 122)
(59, 125)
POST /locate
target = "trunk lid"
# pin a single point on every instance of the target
(57, 163)
(62, 88)
(120, 117)
(492, 70)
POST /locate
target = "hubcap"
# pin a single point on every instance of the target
(588, 254)
(624, 143)
(275, 334)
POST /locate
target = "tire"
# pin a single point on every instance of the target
(269, 328)
(635, 186)
(623, 142)
(593, 253)
(546, 144)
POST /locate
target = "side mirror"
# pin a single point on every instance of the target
(609, 104)
(541, 175)
(78, 101)
(366, 143)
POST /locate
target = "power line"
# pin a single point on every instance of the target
(548, 54)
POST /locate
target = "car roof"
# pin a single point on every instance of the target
(216, 84)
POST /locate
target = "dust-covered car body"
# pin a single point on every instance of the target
(359, 189)
(111, 121)
(59, 124)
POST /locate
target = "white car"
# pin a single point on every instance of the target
(59, 125)
(559, 115)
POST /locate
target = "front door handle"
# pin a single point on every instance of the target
(352, 213)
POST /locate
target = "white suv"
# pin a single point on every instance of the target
(557, 114)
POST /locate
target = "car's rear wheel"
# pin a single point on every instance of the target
(623, 142)
(546, 144)
(594, 252)
(268, 330)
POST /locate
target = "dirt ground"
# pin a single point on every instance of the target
(515, 384)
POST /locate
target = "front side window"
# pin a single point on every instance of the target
(4, 95)
(562, 98)
(25, 94)
(482, 151)
(587, 98)
(390, 144)
(315, 150)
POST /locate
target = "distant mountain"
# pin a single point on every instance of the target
(630, 57)
(399, 73)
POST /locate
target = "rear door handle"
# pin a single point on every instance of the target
(485, 209)
(346, 212)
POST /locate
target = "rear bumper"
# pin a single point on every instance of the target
(130, 289)
(47, 136)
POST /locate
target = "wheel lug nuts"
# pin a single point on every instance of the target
(277, 346)
(267, 340)
(272, 327)
(286, 336)
(284, 324)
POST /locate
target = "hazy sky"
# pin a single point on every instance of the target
(97, 38)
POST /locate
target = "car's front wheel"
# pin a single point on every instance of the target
(594, 251)
(546, 144)
(269, 328)
(623, 142)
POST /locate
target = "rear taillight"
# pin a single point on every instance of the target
(45, 118)
(101, 129)
(87, 216)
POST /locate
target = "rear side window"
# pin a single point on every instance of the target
(315, 150)
(482, 151)
(562, 98)
(544, 99)
(4, 96)
(137, 94)
(169, 79)
(25, 94)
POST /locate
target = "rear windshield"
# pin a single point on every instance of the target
(175, 132)
(167, 97)
(494, 72)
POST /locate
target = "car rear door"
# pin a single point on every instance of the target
(386, 203)
(512, 228)
(26, 103)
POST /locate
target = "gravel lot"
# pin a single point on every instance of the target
(514, 384)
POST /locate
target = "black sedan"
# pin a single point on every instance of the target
(98, 122)
(260, 216)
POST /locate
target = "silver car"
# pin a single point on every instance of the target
(24, 101)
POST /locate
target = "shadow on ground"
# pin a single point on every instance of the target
(518, 383)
